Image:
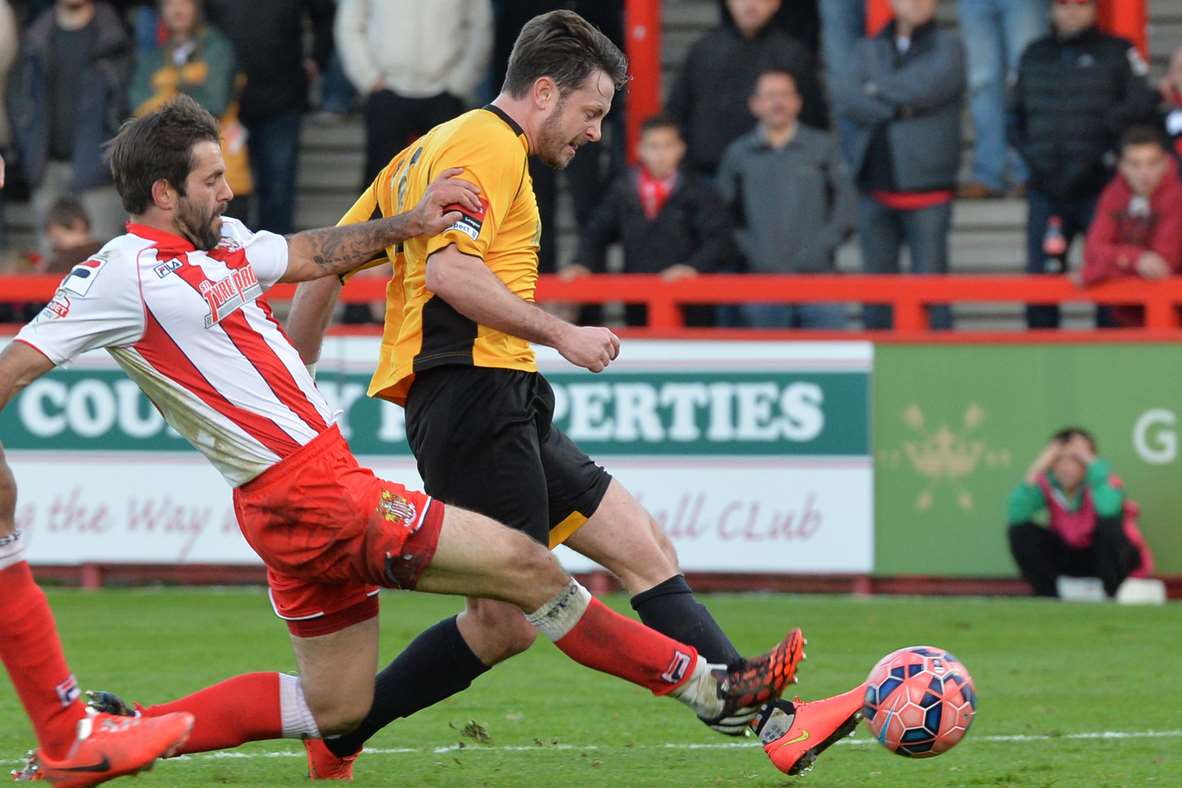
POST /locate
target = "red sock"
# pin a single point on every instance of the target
(615, 644)
(241, 709)
(32, 653)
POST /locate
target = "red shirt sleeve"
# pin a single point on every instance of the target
(1167, 236)
(1105, 257)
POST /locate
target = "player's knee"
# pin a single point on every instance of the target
(535, 570)
(340, 715)
(666, 545)
(505, 633)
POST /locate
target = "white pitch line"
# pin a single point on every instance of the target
(1013, 738)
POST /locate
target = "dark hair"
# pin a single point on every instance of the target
(1067, 433)
(65, 211)
(1142, 135)
(775, 71)
(565, 47)
(158, 146)
(659, 121)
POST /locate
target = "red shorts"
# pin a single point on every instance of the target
(332, 533)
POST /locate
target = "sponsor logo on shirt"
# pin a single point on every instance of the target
(82, 276)
(469, 222)
(167, 267)
(229, 294)
(58, 307)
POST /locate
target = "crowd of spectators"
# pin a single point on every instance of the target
(787, 131)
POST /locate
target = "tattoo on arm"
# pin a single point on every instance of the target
(336, 250)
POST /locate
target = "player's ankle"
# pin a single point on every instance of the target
(700, 690)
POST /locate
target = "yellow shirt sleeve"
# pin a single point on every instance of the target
(368, 206)
(498, 170)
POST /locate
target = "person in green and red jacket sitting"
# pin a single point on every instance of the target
(1091, 526)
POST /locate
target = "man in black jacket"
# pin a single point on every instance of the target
(67, 100)
(709, 97)
(268, 38)
(1077, 90)
(669, 222)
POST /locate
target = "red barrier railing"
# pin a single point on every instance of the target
(907, 294)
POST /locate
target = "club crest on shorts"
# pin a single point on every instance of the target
(396, 509)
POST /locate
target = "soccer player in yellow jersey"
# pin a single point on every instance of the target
(456, 354)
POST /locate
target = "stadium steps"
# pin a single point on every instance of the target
(987, 236)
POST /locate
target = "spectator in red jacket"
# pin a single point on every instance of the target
(1137, 229)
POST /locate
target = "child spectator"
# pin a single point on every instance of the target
(70, 238)
(669, 222)
(1092, 525)
(1137, 229)
(792, 201)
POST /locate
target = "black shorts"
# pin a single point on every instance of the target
(484, 441)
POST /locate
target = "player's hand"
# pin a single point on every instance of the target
(1, 172)
(589, 347)
(574, 271)
(1048, 457)
(1079, 448)
(1151, 265)
(679, 271)
(441, 205)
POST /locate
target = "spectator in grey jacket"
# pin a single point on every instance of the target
(792, 200)
(903, 89)
(709, 96)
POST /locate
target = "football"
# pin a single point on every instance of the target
(919, 702)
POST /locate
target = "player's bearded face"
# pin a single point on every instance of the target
(200, 224)
(575, 120)
(556, 148)
(199, 210)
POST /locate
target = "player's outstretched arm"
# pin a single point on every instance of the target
(474, 291)
(331, 251)
(20, 365)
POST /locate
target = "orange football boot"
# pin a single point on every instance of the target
(323, 764)
(750, 683)
(110, 746)
(794, 733)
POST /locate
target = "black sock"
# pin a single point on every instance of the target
(671, 609)
(436, 665)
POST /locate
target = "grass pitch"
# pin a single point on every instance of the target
(1070, 695)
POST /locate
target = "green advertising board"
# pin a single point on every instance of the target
(956, 427)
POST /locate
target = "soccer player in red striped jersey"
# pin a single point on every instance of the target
(176, 301)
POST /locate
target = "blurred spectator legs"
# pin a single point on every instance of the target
(274, 158)
(1076, 215)
(843, 22)
(819, 316)
(996, 32)
(336, 92)
(883, 231)
(393, 121)
(102, 204)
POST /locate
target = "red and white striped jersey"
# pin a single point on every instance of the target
(189, 327)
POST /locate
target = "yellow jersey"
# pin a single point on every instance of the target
(421, 330)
